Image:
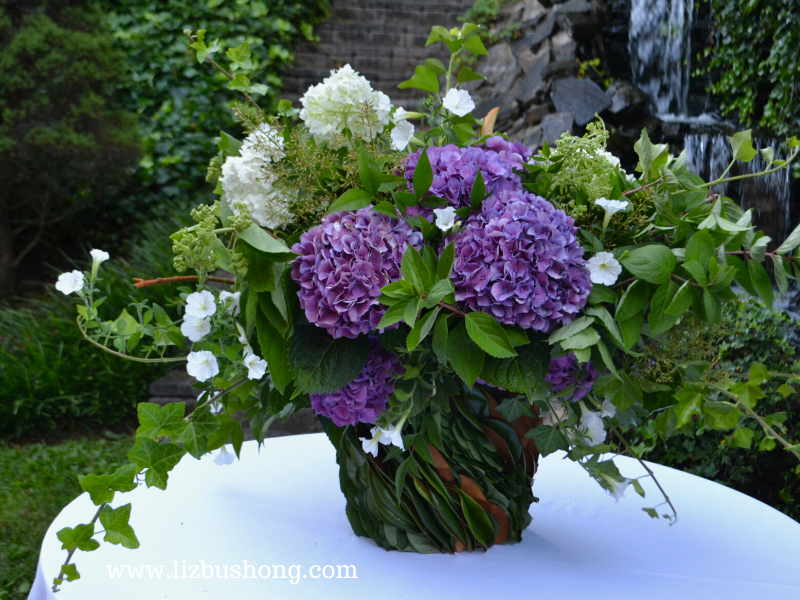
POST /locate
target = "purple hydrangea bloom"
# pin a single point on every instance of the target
(343, 264)
(520, 261)
(564, 371)
(364, 399)
(455, 170)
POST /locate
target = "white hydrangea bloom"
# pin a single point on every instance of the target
(345, 100)
(246, 180)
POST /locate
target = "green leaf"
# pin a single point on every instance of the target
(690, 402)
(118, 531)
(435, 65)
(478, 191)
(633, 300)
(652, 512)
(466, 74)
(579, 341)
(700, 248)
(547, 439)
(638, 487)
(720, 415)
(101, 488)
(158, 459)
(70, 572)
(351, 200)
(387, 208)
(759, 248)
(489, 335)
(465, 356)
(400, 477)
(761, 282)
(658, 320)
(424, 79)
(475, 45)
(394, 314)
(514, 408)
(631, 329)
(79, 537)
(423, 175)
(415, 271)
(742, 437)
(368, 171)
(160, 421)
(323, 364)
(651, 156)
(742, 145)
(439, 291)
(682, 300)
(264, 242)
(517, 335)
(445, 266)
(439, 342)
(523, 373)
(195, 437)
(621, 392)
(601, 294)
(571, 329)
(477, 520)
(712, 306)
(780, 268)
(422, 328)
(654, 263)
(791, 242)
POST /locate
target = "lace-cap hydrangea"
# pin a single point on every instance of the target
(247, 182)
(520, 261)
(364, 399)
(343, 264)
(345, 100)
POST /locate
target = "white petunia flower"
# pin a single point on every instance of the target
(200, 304)
(608, 409)
(393, 436)
(611, 207)
(195, 329)
(243, 340)
(202, 365)
(556, 415)
(593, 427)
(224, 458)
(401, 135)
(231, 302)
(371, 446)
(70, 282)
(98, 258)
(458, 102)
(345, 100)
(617, 487)
(246, 179)
(604, 268)
(445, 217)
(613, 160)
(256, 367)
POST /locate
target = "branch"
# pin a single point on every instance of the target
(126, 356)
(71, 552)
(644, 187)
(142, 283)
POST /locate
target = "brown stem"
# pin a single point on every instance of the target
(452, 309)
(644, 187)
(142, 283)
(682, 280)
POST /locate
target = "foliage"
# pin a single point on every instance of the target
(754, 55)
(48, 380)
(747, 329)
(38, 481)
(486, 14)
(178, 101)
(65, 146)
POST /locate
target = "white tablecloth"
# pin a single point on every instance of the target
(284, 507)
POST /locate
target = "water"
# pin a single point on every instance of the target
(659, 40)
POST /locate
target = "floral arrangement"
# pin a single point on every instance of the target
(450, 304)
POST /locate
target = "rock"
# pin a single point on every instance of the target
(581, 25)
(534, 82)
(563, 47)
(626, 98)
(556, 124)
(303, 421)
(582, 97)
(500, 68)
(536, 113)
(532, 10)
(573, 6)
(533, 139)
(176, 384)
(508, 107)
(541, 33)
(527, 59)
(563, 68)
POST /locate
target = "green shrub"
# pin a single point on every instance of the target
(38, 481)
(751, 332)
(51, 378)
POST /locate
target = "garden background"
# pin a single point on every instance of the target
(106, 133)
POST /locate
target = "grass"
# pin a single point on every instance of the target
(38, 480)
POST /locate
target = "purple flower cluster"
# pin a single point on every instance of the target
(455, 170)
(363, 399)
(343, 264)
(564, 372)
(520, 261)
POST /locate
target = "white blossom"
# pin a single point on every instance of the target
(230, 301)
(370, 446)
(195, 329)
(401, 135)
(618, 488)
(247, 181)
(200, 304)
(611, 207)
(604, 268)
(458, 102)
(401, 114)
(608, 409)
(613, 160)
(256, 367)
(593, 428)
(445, 217)
(202, 365)
(70, 282)
(223, 457)
(243, 340)
(345, 100)
(393, 436)
(98, 258)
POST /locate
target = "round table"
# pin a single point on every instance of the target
(282, 507)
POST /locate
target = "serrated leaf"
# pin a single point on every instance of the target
(569, 330)
(323, 364)
(465, 356)
(523, 373)
(584, 339)
(487, 333)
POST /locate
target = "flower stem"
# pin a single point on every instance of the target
(126, 356)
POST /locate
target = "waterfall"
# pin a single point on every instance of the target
(660, 48)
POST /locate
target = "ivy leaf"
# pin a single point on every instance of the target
(195, 437)
(547, 439)
(514, 408)
(118, 531)
(79, 537)
(720, 415)
(158, 459)
(101, 488)
(324, 364)
(620, 391)
(157, 421)
(690, 402)
(70, 572)
(523, 373)
(465, 356)
(654, 263)
(489, 335)
(742, 437)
